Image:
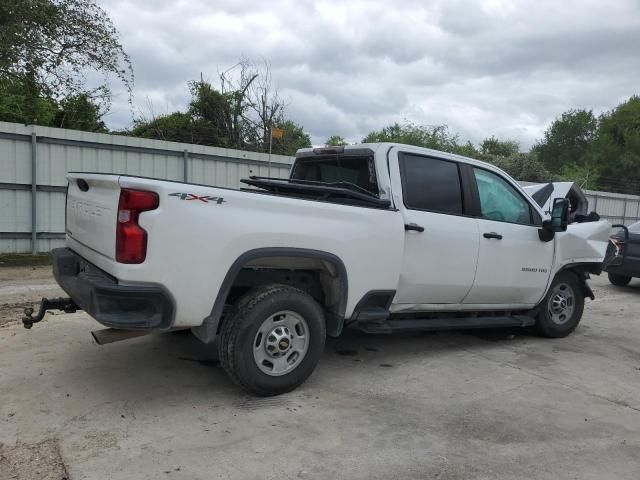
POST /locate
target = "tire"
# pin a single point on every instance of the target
(619, 280)
(562, 307)
(272, 340)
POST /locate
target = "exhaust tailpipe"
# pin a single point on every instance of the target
(111, 335)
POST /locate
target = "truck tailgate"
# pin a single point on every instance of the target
(92, 209)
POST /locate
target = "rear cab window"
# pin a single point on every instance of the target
(357, 170)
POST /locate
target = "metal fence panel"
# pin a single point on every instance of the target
(60, 151)
(15, 211)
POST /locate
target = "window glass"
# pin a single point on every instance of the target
(431, 184)
(635, 228)
(360, 171)
(499, 200)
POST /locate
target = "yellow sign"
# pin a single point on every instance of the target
(277, 132)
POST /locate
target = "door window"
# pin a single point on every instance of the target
(431, 184)
(499, 200)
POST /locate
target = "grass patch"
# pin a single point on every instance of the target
(24, 260)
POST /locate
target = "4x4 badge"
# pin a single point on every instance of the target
(202, 198)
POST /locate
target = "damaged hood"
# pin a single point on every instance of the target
(545, 193)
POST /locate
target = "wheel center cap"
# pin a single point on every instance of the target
(278, 342)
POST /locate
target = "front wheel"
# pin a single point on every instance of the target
(273, 340)
(619, 280)
(562, 307)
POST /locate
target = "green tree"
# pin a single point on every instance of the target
(175, 127)
(79, 112)
(18, 104)
(436, 137)
(499, 148)
(568, 140)
(616, 151)
(524, 167)
(466, 149)
(239, 113)
(335, 141)
(294, 138)
(218, 116)
(586, 176)
(48, 46)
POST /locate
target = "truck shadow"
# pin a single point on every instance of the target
(170, 367)
(390, 348)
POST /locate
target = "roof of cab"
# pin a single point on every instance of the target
(386, 146)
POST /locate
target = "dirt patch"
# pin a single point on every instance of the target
(29, 461)
(11, 313)
(22, 287)
(22, 260)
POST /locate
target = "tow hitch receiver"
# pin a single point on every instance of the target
(65, 304)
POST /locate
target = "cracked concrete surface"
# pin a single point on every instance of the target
(487, 405)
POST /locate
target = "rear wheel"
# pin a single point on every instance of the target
(272, 341)
(619, 280)
(562, 307)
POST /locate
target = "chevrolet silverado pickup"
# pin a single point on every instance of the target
(380, 237)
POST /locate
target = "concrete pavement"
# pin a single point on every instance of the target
(449, 406)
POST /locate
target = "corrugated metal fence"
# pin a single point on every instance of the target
(614, 207)
(34, 161)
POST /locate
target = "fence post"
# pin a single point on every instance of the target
(34, 194)
(624, 211)
(185, 166)
(595, 204)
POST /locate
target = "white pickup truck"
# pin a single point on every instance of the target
(383, 237)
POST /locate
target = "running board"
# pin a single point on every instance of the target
(439, 324)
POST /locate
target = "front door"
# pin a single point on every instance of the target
(513, 263)
(441, 243)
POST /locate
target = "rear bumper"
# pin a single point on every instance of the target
(139, 306)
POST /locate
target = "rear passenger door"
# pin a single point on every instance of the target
(441, 241)
(513, 263)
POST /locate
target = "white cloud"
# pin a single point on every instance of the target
(496, 67)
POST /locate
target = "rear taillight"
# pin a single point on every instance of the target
(131, 238)
(618, 243)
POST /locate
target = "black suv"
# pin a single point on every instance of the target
(622, 274)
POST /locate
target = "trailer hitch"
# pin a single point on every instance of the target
(65, 304)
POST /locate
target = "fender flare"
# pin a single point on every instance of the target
(335, 320)
(582, 271)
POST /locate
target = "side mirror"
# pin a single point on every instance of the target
(559, 220)
(560, 215)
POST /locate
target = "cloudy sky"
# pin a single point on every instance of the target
(490, 67)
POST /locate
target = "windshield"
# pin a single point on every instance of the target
(359, 171)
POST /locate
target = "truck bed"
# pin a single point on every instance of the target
(198, 232)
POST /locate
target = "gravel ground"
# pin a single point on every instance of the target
(489, 405)
(22, 287)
